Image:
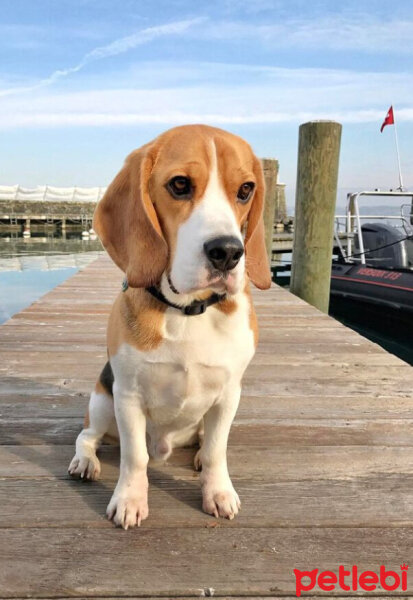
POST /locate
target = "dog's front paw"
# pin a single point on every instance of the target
(128, 511)
(220, 502)
(85, 467)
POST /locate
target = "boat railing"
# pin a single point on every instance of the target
(409, 215)
(352, 222)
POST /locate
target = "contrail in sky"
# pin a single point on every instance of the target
(117, 47)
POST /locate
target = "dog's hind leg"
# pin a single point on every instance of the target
(99, 420)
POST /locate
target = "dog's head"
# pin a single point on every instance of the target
(178, 209)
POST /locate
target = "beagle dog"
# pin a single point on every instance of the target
(183, 221)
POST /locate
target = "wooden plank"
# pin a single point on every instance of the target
(80, 333)
(206, 591)
(174, 562)
(56, 345)
(326, 330)
(62, 404)
(266, 372)
(314, 387)
(335, 358)
(26, 385)
(253, 432)
(313, 351)
(321, 433)
(326, 407)
(175, 502)
(53, 405)
(252, 386)
(392, 374)
(286, 463)
(349, 361)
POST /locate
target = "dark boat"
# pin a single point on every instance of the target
(372, 278)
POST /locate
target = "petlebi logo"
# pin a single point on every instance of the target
(351, 579)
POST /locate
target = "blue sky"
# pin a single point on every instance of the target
(83, 82)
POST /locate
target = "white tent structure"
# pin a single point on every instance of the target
(50, 193)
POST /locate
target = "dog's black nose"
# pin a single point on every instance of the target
(224, 252)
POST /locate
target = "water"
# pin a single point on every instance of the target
(20, 289)
(30, 267)
(385, 328)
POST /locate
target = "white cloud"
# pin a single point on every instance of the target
(361, 32)
(103, 119)
(272, 95)
(116, 47)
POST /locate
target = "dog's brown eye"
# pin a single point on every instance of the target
(245, 192)
(180, 187)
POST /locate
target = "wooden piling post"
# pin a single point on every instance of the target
(280, 203)
(317, 173)
(270, 168)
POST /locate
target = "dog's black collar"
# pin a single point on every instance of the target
(197, 307)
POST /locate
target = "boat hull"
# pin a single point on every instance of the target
(376, 302)
(389, 288)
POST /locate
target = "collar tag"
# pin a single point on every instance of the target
(125, 285)
(195, 309)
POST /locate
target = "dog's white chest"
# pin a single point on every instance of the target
(198, 359)
(180, 390)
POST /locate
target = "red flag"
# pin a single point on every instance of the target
(389, 120)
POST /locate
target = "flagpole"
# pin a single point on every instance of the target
(398, 154)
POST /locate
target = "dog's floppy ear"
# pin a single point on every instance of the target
(256, 253)
(127, 224)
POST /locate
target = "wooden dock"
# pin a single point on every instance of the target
(321, 454)
(37, 215)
